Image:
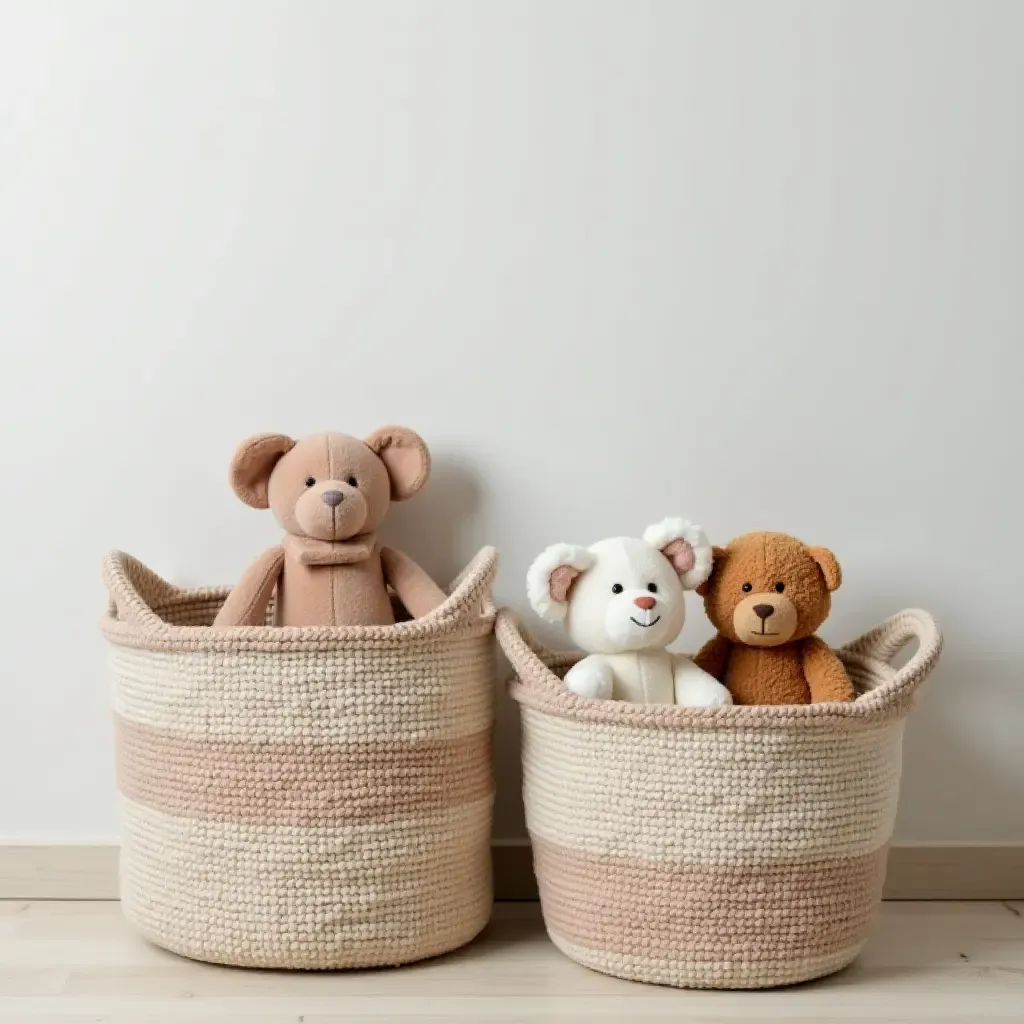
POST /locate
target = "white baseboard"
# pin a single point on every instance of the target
(939, 871)
(58, 871)
(946, 871)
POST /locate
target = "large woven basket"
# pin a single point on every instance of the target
(738, 847)
(302, 797)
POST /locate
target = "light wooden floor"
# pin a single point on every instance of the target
(928, 962)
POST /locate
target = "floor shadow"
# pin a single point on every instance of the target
(501, 934)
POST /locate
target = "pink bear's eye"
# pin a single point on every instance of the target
(310, 481)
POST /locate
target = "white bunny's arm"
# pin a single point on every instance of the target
(694, 688)
(592, 677)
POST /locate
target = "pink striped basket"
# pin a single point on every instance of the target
(737, 847)
(302, 797)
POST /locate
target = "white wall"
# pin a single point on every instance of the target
(758, 264)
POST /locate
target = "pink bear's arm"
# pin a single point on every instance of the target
(247, 603)
(415, 589)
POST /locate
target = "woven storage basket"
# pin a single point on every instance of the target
(738, 847)
(302, 797)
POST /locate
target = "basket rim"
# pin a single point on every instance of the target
(135, 591)
(890, 694)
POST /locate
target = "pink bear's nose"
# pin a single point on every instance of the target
(647, 603)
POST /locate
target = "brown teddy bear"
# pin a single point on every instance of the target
(766, 595)
(330, 493)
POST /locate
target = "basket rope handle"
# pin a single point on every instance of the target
(885, 641)
(122, 575)
(527, 655)
(471, 590)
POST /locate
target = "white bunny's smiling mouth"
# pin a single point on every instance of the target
(646, 625)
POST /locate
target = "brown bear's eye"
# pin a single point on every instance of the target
(780, 587)
(353, 482)
(747, 588)
(310, 481)
(616, 588)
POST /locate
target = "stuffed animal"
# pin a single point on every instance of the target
(766, 595)
(622, 601)
(330, 492)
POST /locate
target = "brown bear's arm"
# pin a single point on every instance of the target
(247, 603)
(713, 657)
(415, 589)
(826, 675)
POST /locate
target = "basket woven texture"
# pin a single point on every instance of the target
(302, 797)
(738, 847)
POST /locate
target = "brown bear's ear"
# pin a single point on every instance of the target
(406, 457)
(829, 566)
(717, 557)
(252, 465)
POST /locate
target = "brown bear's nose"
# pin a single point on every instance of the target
(764, 611)
(332, 498)
(647, 603)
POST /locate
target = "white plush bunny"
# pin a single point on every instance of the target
(621, 600)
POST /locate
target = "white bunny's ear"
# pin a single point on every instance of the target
(685, 546)
(551, 577)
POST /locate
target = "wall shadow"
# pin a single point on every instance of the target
(440, 526)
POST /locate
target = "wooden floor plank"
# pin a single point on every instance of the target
(70, 963)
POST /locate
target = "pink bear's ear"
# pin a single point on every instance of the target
(405, 456)
(253, 463)
(686, 548)
(550, 579)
